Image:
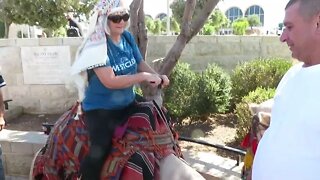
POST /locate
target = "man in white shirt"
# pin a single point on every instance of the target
(290, 148)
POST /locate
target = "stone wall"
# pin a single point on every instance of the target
(226, 51)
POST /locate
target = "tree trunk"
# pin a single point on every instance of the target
(6, 29)
(137, 26)
(190, 27)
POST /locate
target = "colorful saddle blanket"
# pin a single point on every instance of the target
(138, 146)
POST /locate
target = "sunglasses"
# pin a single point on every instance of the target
(118, 18)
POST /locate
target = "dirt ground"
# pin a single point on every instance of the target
(31, 122)
(217, 129)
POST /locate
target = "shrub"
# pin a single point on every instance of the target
(213, 91)
(178, 96)
(208, 29)
(239, 26)
(243, 113)
(265, 73)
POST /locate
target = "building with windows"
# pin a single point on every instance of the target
(270, 12)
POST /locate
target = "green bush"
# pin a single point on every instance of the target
(243, 113)
(248, 76)
(178, 96)
(239, 26)
(208, 29)
(213, 91)
(195, 95)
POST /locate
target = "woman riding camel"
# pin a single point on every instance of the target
(111, 60)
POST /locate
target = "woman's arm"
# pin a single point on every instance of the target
(110, 80)
(144, 67)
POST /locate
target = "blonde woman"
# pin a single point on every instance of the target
(114, 65)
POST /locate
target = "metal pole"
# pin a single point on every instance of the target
(168, 17)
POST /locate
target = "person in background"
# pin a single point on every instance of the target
(74, 29)
(290, 147)
(2, 123)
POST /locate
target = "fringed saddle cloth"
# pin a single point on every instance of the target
(138, 146)
(250, 143)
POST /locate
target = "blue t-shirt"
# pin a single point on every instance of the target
(124, 59)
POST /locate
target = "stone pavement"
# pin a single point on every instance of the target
(213, 165)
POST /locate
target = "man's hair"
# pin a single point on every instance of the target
(307, 8)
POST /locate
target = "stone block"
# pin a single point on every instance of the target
(5, 146)
(36, 147)
(22, 148)
(51, 42)
(157, 50)
(13, 112)
(27, 42)
(51, 106)
(8, 42)
(206, 49)
(18, 164)
(76, 41)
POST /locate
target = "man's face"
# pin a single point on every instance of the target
(299, 33)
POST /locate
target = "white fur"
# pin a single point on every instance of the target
(173, 168)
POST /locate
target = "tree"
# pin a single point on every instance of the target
(149, 23)
(4, 15)
(49, 14)
(157, 27)
(253, 20)
(239, 26)
(216, 20)
(174, 26)
(190, 26)
(178, 8)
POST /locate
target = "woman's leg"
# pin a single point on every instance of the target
(100, 126)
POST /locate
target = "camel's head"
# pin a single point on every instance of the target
(261, 117)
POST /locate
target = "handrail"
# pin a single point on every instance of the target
(240, 152)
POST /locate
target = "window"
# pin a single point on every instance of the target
(234, 13)
(256, 10)
(161, 16)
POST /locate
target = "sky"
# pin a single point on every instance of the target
(154, 7)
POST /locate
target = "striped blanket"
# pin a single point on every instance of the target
(138, 146)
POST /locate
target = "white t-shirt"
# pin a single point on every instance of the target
(290, 148)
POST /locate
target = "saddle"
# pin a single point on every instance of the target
(139, 141)
(250, 143)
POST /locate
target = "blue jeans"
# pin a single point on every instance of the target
(2, 177)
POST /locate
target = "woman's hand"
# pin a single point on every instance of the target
(153, 79)
(165, 80)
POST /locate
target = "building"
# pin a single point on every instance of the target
(271, 12)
